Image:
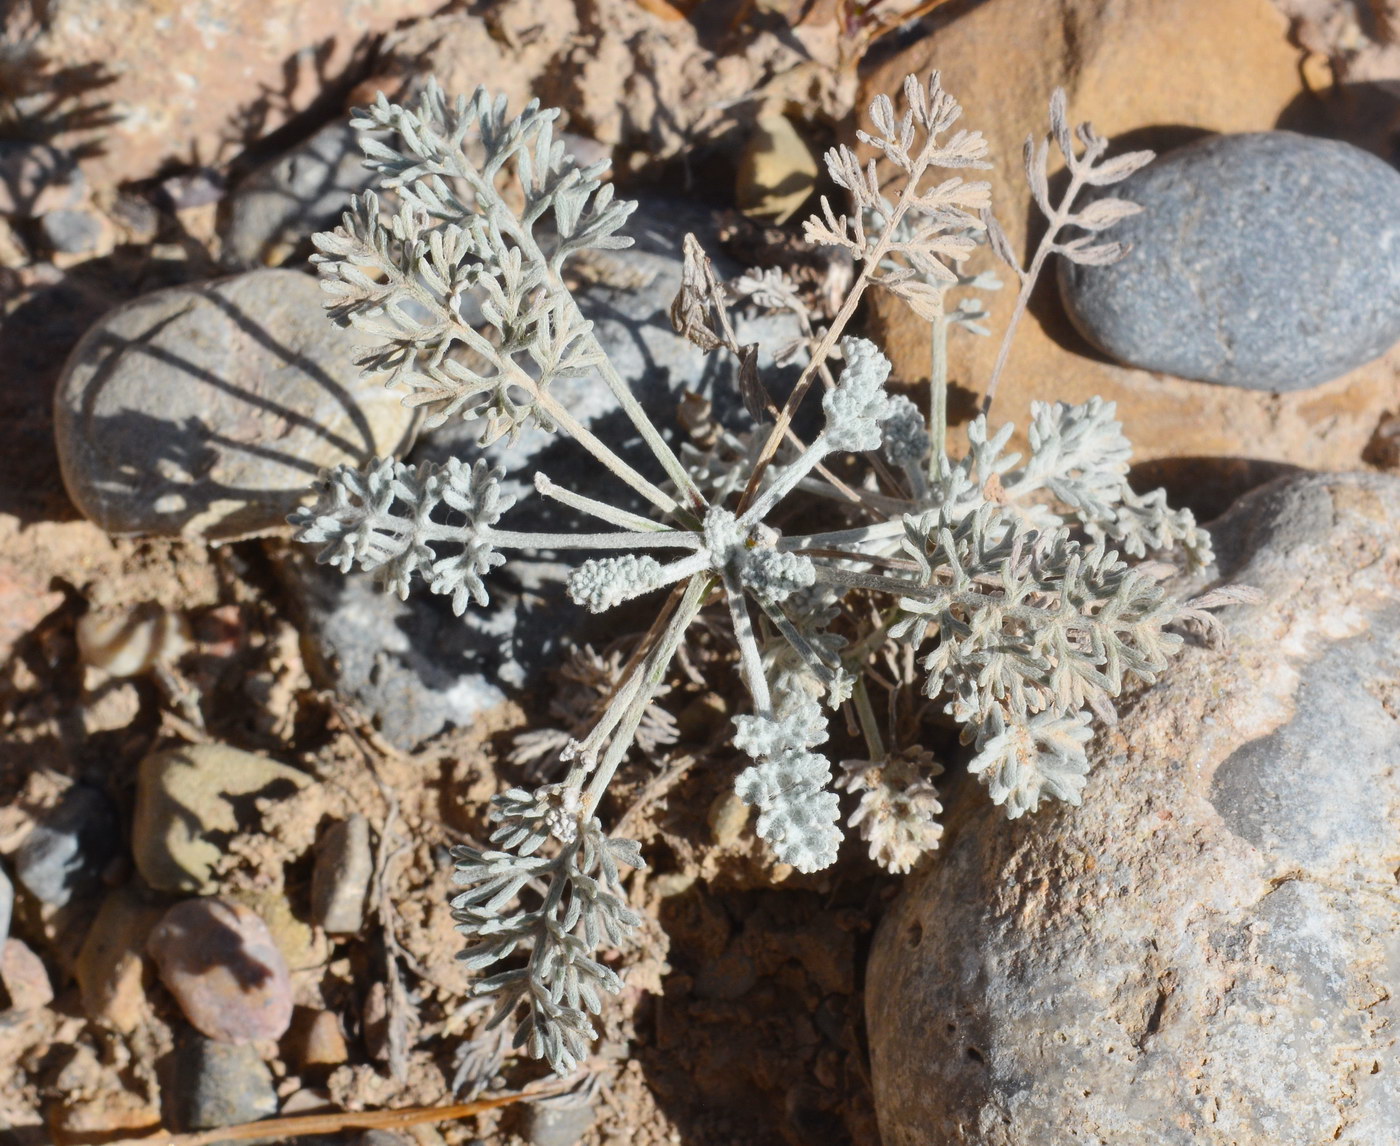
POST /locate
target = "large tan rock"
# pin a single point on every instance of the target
(1207, 952)
(1157, 72)
(142, 84)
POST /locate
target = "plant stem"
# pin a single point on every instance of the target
(869, 725)
(938, 399)
(649, 674)
(1028, 281)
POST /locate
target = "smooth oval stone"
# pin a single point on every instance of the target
(1267, 260)
(219, 961)
(206, 411)
(1207, 952)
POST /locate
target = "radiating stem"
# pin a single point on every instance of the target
(649, 674)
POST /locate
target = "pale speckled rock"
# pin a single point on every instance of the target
(1266, 260)
(1208, 951)
(340, 879)
(206, 411)
(219, 961)
(184, 807)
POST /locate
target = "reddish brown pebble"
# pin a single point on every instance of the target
(219, 961)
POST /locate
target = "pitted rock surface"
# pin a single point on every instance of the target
(1208, 951)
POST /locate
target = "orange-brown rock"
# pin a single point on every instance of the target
(112, 964)
(1151, 73)
(138, 85)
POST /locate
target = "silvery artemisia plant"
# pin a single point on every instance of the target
(1008, 580)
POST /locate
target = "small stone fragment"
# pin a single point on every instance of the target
(557, 1122)
(320, 1043)
(111, 708)
(24, 977)
(777, 171)
(68, 848)
(205, 411)
(340, 881)
(112, 1112)
(1267, 260)
(183, 798)
(36, 178)
(219, 1084)
(275, 210)
(76, 233)
(130, 642)
(219, 961)
(7, 903)
(112, 963)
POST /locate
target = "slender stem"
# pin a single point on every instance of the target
(599, 509)
(600, 450)
(800, 644)
(1028, 281)
(844, 537)
(750, 658)
(787, 481)
(512, 539)
(662, 451)
(938, 399)
(903, 564)
(628, 683)
(869, 725)
(871, 267)
(649, 674)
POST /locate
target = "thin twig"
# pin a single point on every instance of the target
(300, 1125)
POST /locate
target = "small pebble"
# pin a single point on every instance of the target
(76, 233)
(110, 1112)
(36, 179)
(65, 853)
(340, 881)
(7, 904)
(321, 1041)
(24, 977)
(276, 209)
(130, 642)
(555, 1123)
(1268, 261)
(777, 171)
(219, 961)
(111, 708)
(219, 1084)
(184, 800)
